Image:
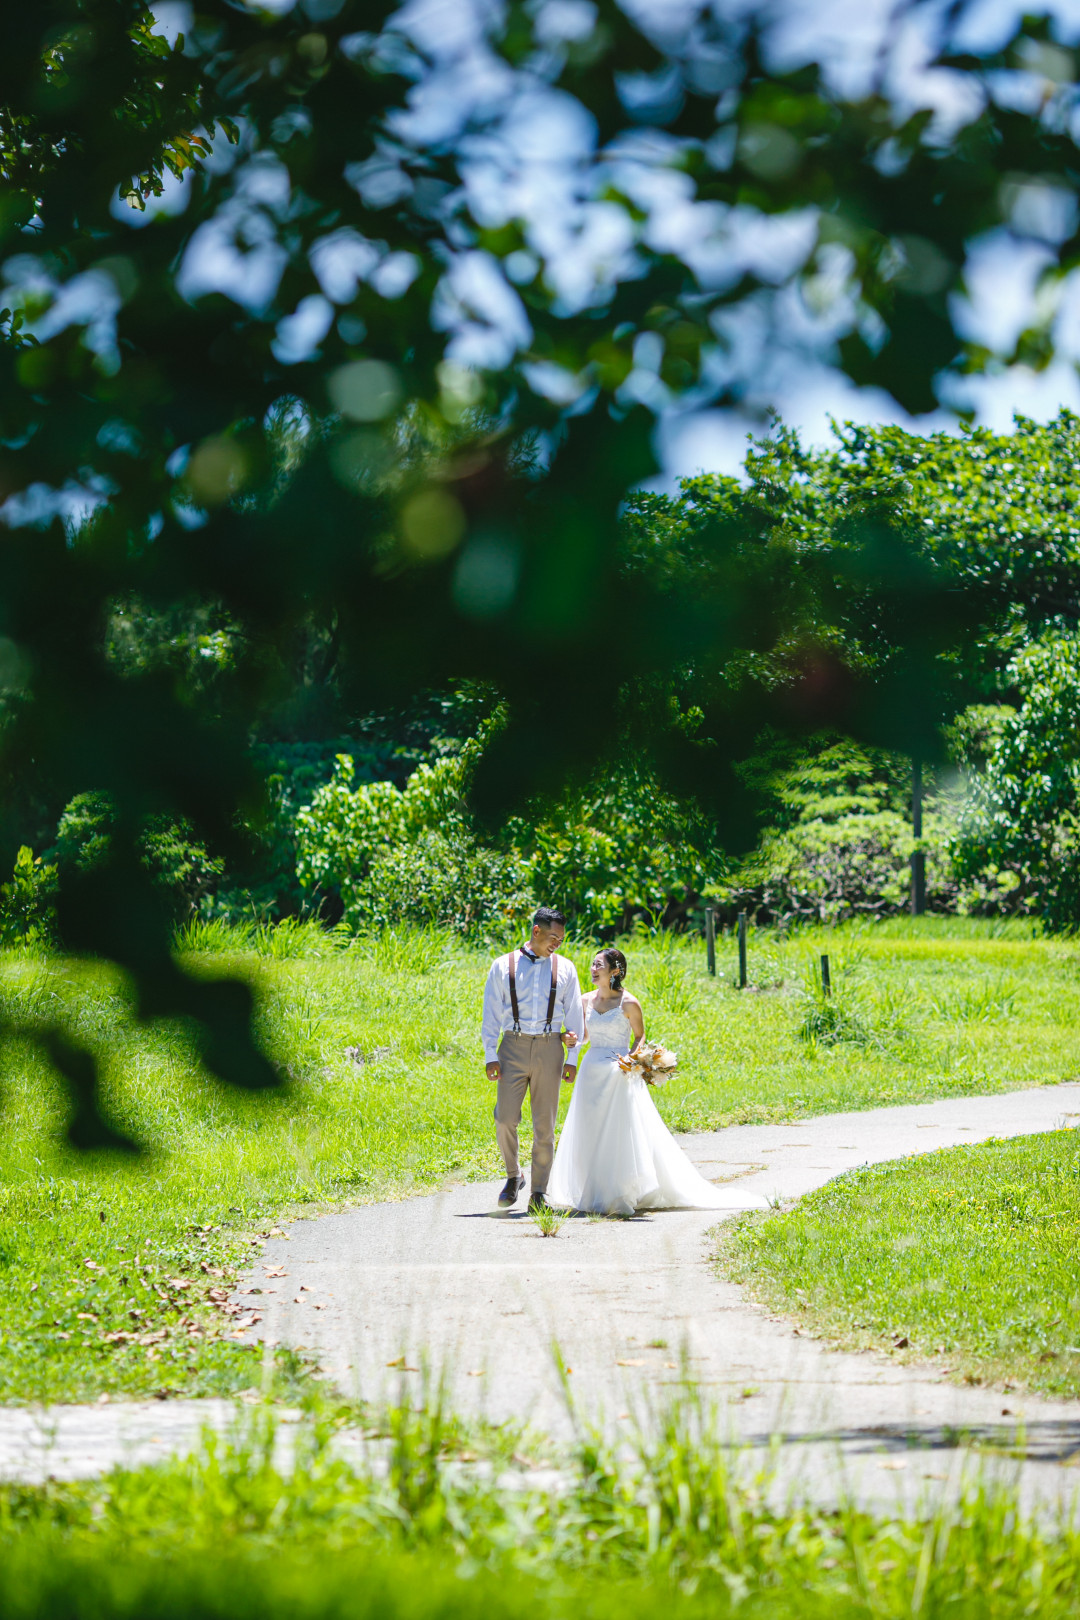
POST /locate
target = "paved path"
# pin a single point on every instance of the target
(80, 1442)
(451, 1284)
(479, 1297)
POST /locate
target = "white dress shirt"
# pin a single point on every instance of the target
(533, 982)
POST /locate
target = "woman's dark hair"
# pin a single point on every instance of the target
(616, 961)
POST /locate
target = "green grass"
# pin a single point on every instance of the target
(380, 1037)
(425, 1524)
(969, 1255)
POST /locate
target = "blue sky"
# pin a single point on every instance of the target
(542, 145)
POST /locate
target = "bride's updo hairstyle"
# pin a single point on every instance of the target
(616, 961)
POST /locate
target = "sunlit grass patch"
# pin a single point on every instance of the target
(968, 1255)
(380, 1039)
(421, 1516)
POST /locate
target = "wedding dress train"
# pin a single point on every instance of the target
(615, 1155)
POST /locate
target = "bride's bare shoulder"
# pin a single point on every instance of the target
(630, 1000)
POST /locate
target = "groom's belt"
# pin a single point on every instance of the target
(551, 997)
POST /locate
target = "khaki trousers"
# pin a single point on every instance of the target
(533, 1064)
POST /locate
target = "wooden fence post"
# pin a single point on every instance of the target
(742, 950)
(710, 940)
(826, 980)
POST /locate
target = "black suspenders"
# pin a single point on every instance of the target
(551, 995)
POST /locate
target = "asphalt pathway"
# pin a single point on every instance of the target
(390, 1297)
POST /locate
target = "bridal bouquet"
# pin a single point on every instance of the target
(653, 1062)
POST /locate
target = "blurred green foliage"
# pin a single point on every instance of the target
(426, 487)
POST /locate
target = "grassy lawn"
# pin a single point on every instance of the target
(970, 1254)
(107, 1268)
(424, 1525)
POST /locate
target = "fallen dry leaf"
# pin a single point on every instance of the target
(674, 1364)
(894, 1463)
(304, 1289)
(117, 1338)
(275, 1231)
(92, 1265)
(479, 1373)
(628, 1361)
(402, 1365)
(86, 1316)
(275, 1271)
(320, 1307)
(179, 1282)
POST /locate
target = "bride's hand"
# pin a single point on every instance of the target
(569, 1038)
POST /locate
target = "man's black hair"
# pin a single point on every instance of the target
(548, 917)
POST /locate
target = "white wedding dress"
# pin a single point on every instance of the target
(615, 1155)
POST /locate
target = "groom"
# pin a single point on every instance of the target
(530, 997)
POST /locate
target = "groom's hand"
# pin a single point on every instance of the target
(493, 1070)
(569, 1074)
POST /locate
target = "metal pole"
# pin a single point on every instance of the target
(918, 857)
(742, 950)
(710, 940)
(826, 980)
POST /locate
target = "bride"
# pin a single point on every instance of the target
(615, 1154)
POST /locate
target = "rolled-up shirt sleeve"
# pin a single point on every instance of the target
(574, 1016)
(491, 1026)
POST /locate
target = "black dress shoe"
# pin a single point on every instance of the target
(537, 1201)
(509, 1194)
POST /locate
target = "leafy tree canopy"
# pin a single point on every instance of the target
(388, 367)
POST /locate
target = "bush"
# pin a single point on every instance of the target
(445, 882)
(1021, 827)
(614, 851)
(409, 855)
(26, 902)
(180, 867)
(292, 774)
(839, 842)
(618, 850)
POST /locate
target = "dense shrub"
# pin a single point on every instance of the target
(408, 854)
(838, 841)
(618, 850)
(448, 880)
(182, 869)
(292, 772)
(1022, 822)
(25, 902)
(607, 854)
